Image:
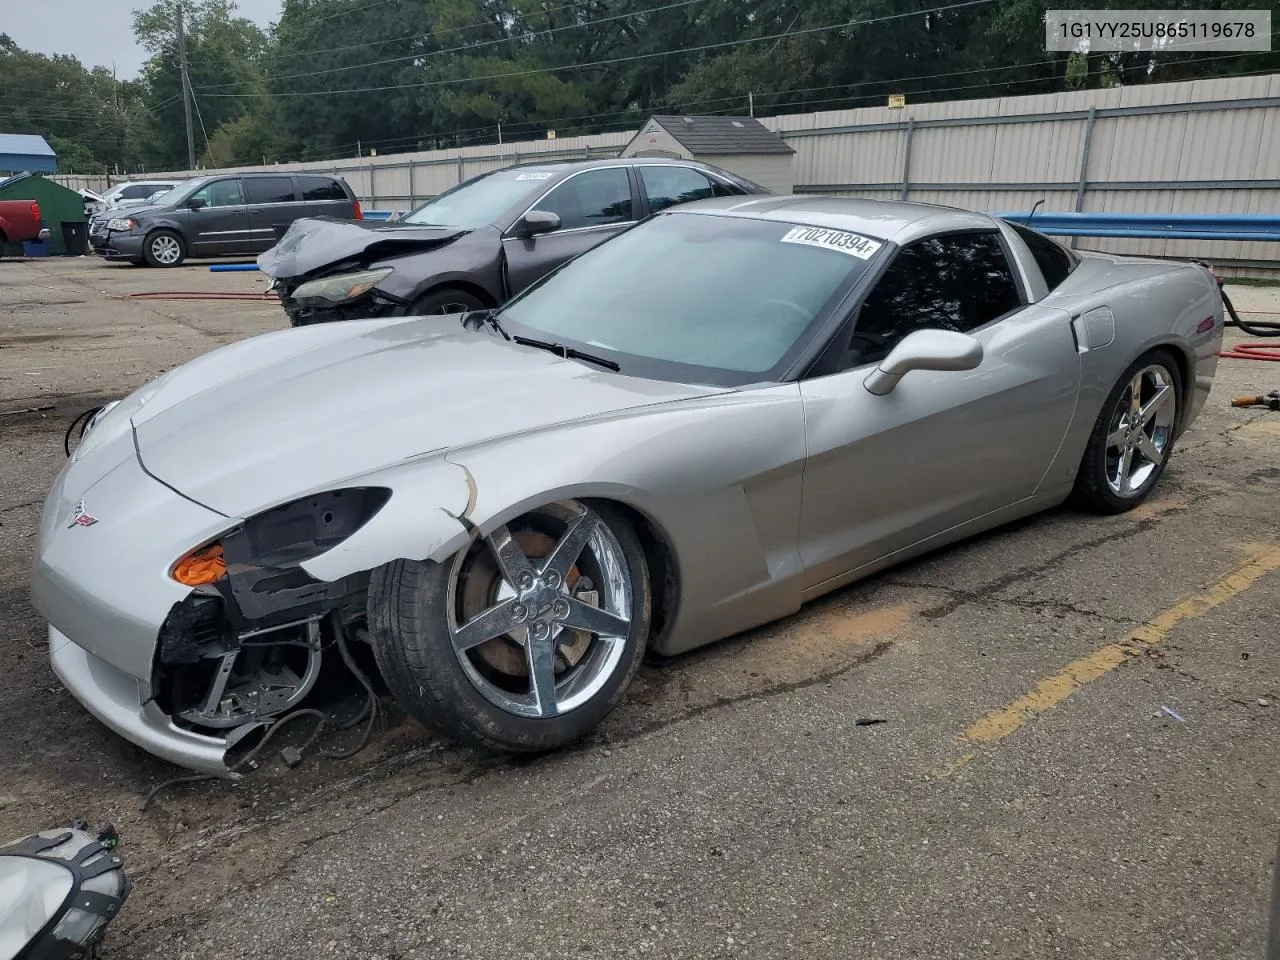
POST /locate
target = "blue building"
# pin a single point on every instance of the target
(26, 153)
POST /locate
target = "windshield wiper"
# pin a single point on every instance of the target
(569, 353)
(491, 318)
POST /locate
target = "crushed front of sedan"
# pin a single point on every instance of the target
(326, 269)
(479, 243)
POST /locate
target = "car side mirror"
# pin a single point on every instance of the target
(537, 221)
(196, 203)
(924, 350)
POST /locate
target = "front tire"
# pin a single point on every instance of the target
(446, 301)
(1133, 436)
(526, 639)
(164, 248)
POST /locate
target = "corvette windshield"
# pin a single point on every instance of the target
(481, 201)
(707, 292)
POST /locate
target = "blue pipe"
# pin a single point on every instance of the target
(233, 268)
(1249, 227)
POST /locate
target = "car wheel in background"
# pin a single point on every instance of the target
(164, 248)
(1133, 436)
(525, 639)
(445, 301)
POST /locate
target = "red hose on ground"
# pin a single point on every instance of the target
(270, 295)
(1253, 351)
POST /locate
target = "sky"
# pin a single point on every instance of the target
(98, 32)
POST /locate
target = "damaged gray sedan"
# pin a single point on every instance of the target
(480, 243)
(724, 412)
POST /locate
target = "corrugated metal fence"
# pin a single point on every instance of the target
(1204, 146)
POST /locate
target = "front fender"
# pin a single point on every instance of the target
(423, 519)
(718, 479)
(163, 223)
(471, 261)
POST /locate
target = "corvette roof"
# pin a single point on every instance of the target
(895, 220)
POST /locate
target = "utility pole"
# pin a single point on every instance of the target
(499, 133)
(751, 104)
(186, 91)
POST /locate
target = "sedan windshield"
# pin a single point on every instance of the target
(713, 299)
(482, 200)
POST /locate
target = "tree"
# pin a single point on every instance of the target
(91, 120)
(223, 54)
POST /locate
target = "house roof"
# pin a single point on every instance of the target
(710, 136)
(25, 144)
(22, 151)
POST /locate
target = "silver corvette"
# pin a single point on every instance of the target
(726, 411)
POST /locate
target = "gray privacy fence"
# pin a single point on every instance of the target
(1202, 146)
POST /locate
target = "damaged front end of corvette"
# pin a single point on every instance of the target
(247, 644)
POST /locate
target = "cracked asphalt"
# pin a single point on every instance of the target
(740, 803)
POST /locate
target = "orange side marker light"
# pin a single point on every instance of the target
(201, 566)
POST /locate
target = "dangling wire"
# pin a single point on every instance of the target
(372, 710)
(81, 420)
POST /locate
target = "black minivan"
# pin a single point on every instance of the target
(230, 215)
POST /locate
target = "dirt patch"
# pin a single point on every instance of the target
(25, 339)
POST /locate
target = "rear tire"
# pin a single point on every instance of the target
(164, 248)
(1133, 436)
(463, 644)
(445, 301)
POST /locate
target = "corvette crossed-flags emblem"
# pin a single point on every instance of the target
(79, 518)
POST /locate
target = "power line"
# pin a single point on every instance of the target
(343, 13)
(616, 60)
(893, 83)
(207, 145)
(522, 38)
(413, 36)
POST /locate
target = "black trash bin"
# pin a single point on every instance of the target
(75, 234)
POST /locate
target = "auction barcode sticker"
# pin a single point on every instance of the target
(855, 245)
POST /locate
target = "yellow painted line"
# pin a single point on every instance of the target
(1051, 691)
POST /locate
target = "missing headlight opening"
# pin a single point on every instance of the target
(247, 644)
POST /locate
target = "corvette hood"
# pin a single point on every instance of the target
(312, 244)
(272, 418)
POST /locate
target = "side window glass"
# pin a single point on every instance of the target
(268, 190)
(955, 282)
(667, 186)
(315, 189)
(137, 192)
(221, 193)
(591, 199)
(1053, 259)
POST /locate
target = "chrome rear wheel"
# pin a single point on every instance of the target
(1141, 429)
(1133, 435)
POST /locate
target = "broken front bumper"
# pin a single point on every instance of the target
(108, 537)
(125, 705)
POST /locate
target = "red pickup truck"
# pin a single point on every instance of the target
(20, 220)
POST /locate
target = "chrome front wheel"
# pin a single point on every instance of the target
(526, 638)
(540, 611)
